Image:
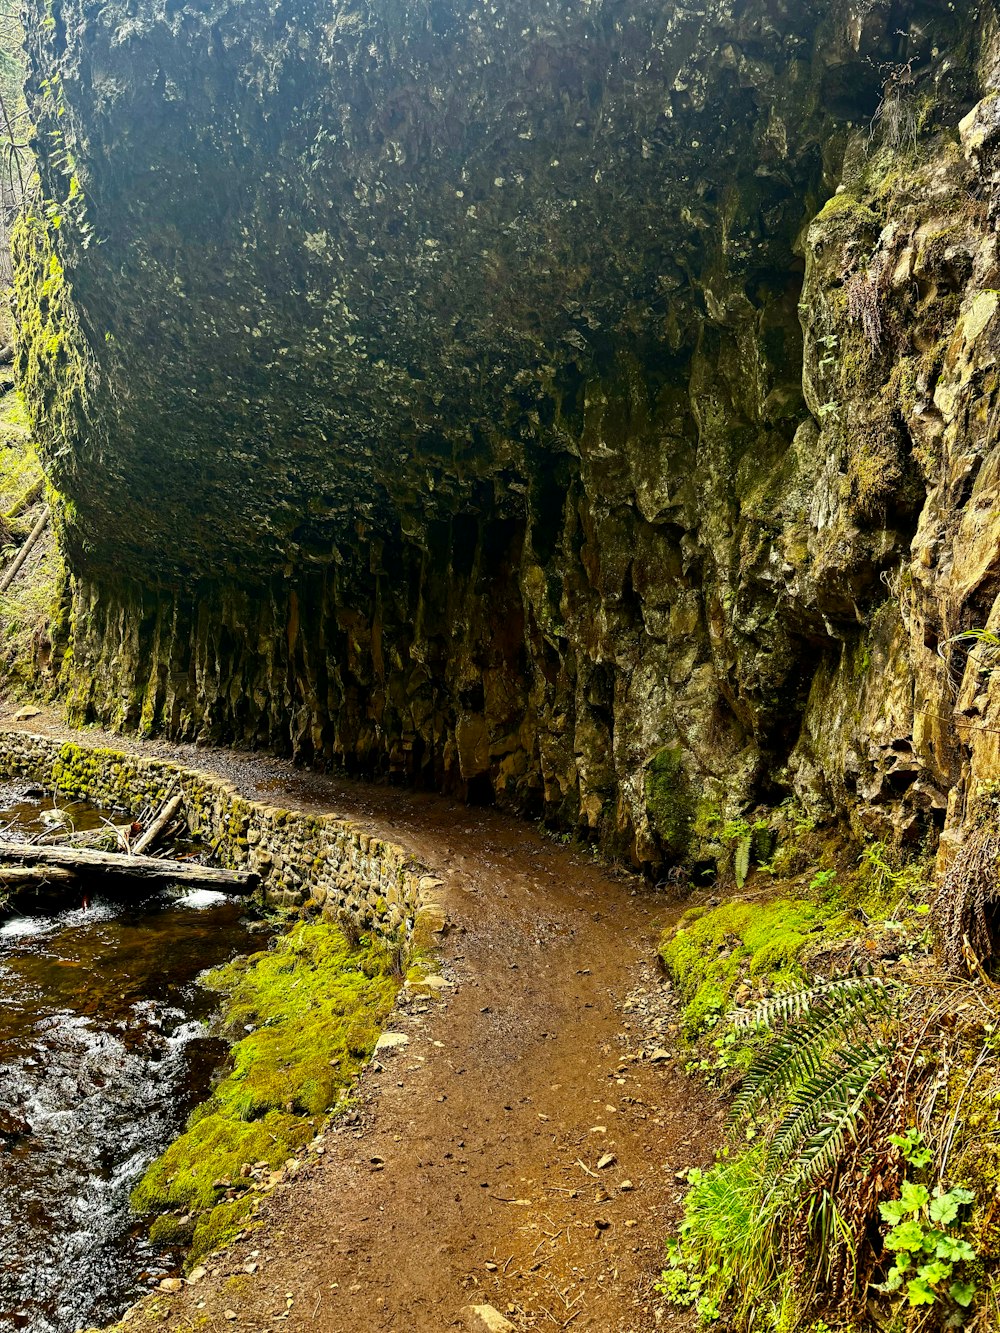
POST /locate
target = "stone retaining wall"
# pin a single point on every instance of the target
(366, 884)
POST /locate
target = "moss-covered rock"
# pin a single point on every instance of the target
(306, 1013)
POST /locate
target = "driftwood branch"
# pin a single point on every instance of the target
(109, 837)
(12, 571)
(158, 825)
(147, 868)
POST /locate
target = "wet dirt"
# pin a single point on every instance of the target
(522, 1147)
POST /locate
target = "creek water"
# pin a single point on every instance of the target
(105, 1046)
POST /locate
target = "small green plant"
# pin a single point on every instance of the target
(925, 1236)
(796, 817)
(913, 1148)
(830, 342)
(746, 837)
(823, 881)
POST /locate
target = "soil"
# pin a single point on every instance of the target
(522, 1148)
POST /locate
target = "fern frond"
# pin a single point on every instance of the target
(826, 1146)
(791, 1005)
(825, 1110)
(798, 1052)
(743, 849)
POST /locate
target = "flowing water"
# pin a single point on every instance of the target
(104, 1048)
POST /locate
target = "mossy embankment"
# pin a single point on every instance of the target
(722, 956)
(33, 609)
(851, 905)
(857, 1182)
(303, 1015)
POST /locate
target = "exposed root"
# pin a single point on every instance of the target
(967, 902)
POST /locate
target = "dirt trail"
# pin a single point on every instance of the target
(473, 1172)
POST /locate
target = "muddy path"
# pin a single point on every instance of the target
(521, 1148)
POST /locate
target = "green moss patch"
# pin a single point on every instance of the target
(21, 480)
(32, 610)
(713, 952)
(669, 801)
(311, 1010)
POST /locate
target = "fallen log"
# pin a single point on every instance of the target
(11, 573)
(148, 868)
(158, 825)
(21, 877)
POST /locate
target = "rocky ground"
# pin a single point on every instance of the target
(517, 1144)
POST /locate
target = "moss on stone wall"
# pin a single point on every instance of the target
(350, 876)
(52, 358)
(670, 802)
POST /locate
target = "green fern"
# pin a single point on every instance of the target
(813, 1024)
(789, 1005)
(743, 849)
(823, 1064)
(825, 1112)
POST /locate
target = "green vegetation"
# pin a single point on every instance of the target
(821, 1068)
(931, 1255)
(830, 1204)
(32, 609)
(51, 350)
(727, 1243)
(669, 801)
(855, 1185)
(713, 952)
(310, 1009)
(21, 480)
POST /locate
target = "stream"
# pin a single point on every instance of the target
(104, 1049)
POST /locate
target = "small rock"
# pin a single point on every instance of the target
(626, 1186)
(196, 1275)
(172, 1284)
(229, 1314)
(659, 1055)
(484, 1319)
(607, 1160)
(23, 714)
(391, 1041)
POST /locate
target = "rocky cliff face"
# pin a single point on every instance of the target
(588, 406)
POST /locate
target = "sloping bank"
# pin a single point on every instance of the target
(307, 1011)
